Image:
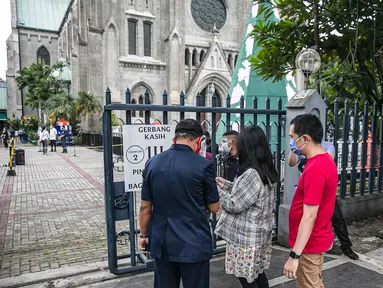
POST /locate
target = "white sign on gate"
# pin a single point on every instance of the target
(142, 142)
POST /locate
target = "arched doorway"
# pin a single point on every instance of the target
(206, 100)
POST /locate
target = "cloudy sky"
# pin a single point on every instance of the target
(5, 31)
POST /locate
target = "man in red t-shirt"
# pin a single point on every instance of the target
(310, 229)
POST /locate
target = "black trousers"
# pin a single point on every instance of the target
(45, 146)
(340, 226)
(53, 144)
(168, 274)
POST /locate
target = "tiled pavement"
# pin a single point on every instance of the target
(52, 216)
(339, 272)
(52, 212)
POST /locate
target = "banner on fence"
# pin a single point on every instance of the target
(142, 142)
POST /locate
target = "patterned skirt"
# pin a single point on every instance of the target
(247, 262)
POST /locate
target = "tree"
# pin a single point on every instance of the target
(60, 106)
(87, 104)
(350, 35)
(40, 82)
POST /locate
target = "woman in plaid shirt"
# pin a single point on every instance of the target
(247, 219)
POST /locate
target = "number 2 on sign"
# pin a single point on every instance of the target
(135, 157)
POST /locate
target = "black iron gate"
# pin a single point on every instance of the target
(121, 206)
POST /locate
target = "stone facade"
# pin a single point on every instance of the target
(96, 40)
(22, 48)
(143, 44)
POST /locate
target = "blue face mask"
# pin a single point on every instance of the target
(293, 146)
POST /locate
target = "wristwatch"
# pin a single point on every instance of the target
(143, 236)
(293, 255)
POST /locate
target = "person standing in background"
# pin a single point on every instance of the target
(17, 136)
(53, 137)
(44, 140)
(5, 138)
(230, 158)
(39, 135)
(64, 138)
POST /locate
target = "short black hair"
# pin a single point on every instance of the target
(230, 133)
(308, 124)
(188, 128)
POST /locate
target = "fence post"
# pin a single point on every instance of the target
(268, 127)
(336, 129)
(228, 124)
(326, 124)
(255, 107)
(371, 173)
(278, 162)
(147, 112)
(198, 114)
(242, 116)
(354, 153)
(109, 194)
(182, 103)
(380, 171)
(213, 151)
(362, 184)
(165, 102)
(128, 119)
(343, 181)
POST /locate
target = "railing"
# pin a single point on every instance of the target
(91, 139)
(357, 137)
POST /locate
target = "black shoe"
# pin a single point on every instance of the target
(349, 253)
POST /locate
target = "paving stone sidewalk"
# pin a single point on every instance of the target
(52, 212)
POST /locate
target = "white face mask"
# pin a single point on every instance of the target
(225, 148)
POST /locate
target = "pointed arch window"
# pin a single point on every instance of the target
(187, 57)
(194, 58)
(43, 55)
(202, 56)
(147, 38)
(230, 61)
(132, 30)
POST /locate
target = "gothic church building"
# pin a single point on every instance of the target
(177, 45)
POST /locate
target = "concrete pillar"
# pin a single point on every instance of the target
(304, 102)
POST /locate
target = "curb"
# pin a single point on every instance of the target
(72, 276)
(53, 274)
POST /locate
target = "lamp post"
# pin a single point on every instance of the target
(308, 61)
